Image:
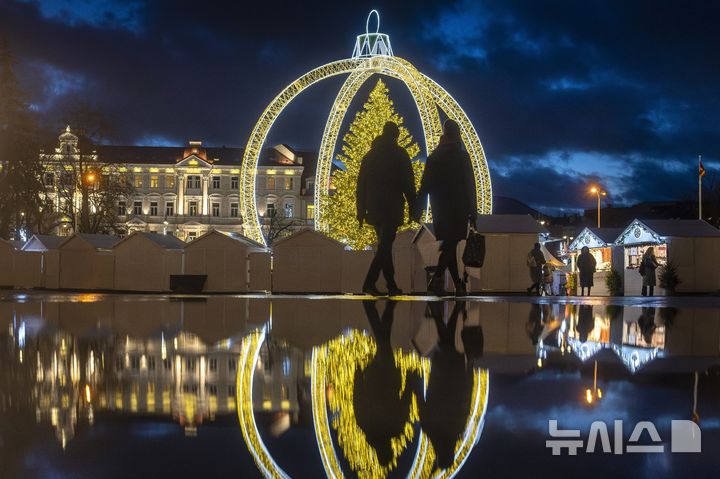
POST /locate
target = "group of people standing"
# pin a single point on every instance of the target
(386, 183)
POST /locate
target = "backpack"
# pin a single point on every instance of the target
(531, 263)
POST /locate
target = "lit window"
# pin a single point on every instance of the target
(311, 212)
(216, 182)
(270, 210)
(192, 208)
(153, 208)
(216, 209)
(138, 181)
(169, 208)
(270, 182)
(192, 235)
(50, 179)
(192, 182)
(234, 210)
(234, 182)
(154, 182)
(169, 181)
(286, 366)
(288, 183)
(137, 207)
(289, 210)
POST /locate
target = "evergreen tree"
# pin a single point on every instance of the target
(365, 127)
(20, 169)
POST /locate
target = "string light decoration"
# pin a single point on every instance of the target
(341, 219)
(370, 57)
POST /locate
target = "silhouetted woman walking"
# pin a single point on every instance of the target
(449, 181)
(586, 265)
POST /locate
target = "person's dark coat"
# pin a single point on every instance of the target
(586, 265)
(650, 264)
(449, 180)
(385, 182)
(586, 322)
(536, 271)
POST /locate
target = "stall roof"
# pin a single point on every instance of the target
(682, 228)
(233, 236)
(97, 241)
(595, 238)
(164, 241)
(498, 224)
(43, 242)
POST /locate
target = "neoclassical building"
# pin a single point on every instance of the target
(186, 190)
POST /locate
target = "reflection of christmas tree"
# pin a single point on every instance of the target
(367, 125)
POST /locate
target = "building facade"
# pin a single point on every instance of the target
(185, 191)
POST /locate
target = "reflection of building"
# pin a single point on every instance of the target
(188, 190)
(280, 368)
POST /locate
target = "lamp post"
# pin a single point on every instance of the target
(598, 192)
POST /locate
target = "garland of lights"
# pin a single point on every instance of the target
(426, 93)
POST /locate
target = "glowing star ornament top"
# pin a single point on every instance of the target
(372, 54)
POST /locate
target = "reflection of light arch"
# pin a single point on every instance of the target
(249, 351)
(423, 463)
(367, 59)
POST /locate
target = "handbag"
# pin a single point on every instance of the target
(474, 253)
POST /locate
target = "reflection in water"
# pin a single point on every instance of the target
(382, 387)
(351, 374)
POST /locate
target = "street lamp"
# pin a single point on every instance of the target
(598, 192)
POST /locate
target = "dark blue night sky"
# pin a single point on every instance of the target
(561, 92)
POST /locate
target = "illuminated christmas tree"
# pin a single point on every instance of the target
(365, 127)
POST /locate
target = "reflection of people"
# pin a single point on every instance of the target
(586, 265)
(586, 322)
(385, 182)
(445, 407)
(449, 181)
(649, 265)
(534, 325)
(535, 261)
(646, 322)
(381, 408)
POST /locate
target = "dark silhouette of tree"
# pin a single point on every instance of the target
(20, 184)
(278, 226)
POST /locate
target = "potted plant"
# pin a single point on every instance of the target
(669, 278)
(613, 281)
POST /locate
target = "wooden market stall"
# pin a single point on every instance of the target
(601, 242)
(145, 261)
(693, 246)
(87, 261)
(508, 239)
(307, 262)
(226, 261)
(37, 264)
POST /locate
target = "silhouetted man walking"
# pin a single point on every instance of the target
(384, 184)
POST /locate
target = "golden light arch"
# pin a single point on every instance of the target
(373, 54)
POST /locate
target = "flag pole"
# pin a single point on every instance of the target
(700, 186)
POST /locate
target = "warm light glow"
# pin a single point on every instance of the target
(88, 394)
(593, 190)
(588, 396)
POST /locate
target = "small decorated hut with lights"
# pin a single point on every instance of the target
(307, 262)
(145, 261)
(601, 243)
(693, 246)
(231, 262)
(87, 262)
(508, 239)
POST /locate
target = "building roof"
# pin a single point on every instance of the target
(682, 228)
(43, 242)
(164, 241)
(97, 241)
(243, 240)
(166, 155)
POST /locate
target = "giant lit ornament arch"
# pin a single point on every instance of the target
(372, 54)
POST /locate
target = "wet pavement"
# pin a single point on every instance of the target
(125, 386)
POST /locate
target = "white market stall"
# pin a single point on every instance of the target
(226, 260)
(87, 262)
(692, 245)
(307, 262)
(145, 261)
(601, 243)
(508, 239)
